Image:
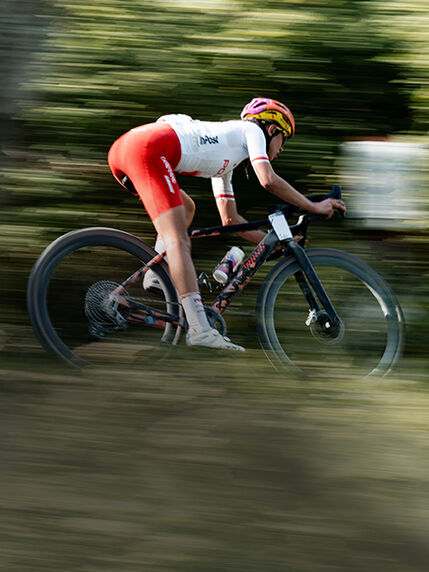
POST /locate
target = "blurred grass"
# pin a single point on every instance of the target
(225, 466)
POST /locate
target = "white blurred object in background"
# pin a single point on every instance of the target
(384, 183)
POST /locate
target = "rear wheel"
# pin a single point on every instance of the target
(368, 339)
(69, 305)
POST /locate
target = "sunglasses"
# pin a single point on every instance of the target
(285, 134)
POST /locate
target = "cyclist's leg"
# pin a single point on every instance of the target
(189, 205)
(171, 227)
(147, 156)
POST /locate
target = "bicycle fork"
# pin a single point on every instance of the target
(329, 324)
(307, 280)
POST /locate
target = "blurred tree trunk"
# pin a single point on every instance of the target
(22, 31)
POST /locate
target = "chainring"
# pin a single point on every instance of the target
(215, 320)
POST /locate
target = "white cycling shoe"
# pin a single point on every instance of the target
(211, 339)
(150, 281)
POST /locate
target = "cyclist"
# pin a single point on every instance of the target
(146, 158)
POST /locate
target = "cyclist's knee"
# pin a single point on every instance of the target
(189, 205)
(177, 242)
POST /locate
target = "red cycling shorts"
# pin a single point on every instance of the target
(148, 155)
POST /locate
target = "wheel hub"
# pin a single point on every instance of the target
(323, 329)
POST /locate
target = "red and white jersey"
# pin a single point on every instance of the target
(212, 149)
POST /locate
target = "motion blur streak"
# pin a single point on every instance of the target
(207, 463)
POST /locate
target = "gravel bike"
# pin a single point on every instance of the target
(319, 311)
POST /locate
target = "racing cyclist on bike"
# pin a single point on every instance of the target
(146, 159)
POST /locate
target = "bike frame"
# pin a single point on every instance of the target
(306, 278)
(240, 280)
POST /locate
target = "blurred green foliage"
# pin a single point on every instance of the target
(84, 72)
(78, 74)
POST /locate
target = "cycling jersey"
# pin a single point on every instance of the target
(213, 149)
(150, 155)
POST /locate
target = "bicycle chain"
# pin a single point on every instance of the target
(151, 300)
(138, 299)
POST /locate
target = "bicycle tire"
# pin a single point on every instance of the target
(115, 244)
(372, 318)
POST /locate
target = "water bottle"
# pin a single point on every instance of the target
(228, 265)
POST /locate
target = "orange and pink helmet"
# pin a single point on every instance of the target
(271, 111)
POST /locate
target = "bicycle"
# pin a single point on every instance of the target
(319, 311)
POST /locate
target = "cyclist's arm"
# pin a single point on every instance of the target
(282, 189)
(225, 201)
(229, 215)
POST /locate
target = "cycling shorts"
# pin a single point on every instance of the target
(148, 155)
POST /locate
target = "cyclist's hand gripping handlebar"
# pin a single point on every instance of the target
(335, 194)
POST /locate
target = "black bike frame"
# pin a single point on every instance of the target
(246, 272)
(307, 278)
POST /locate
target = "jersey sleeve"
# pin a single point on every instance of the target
(222, 187)
(255, 143)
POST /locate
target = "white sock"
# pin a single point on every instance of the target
(194, 312)
(159, 245)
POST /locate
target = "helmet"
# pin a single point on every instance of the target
(272, 111)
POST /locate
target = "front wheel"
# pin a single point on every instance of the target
(68, 300)
(368, 339)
